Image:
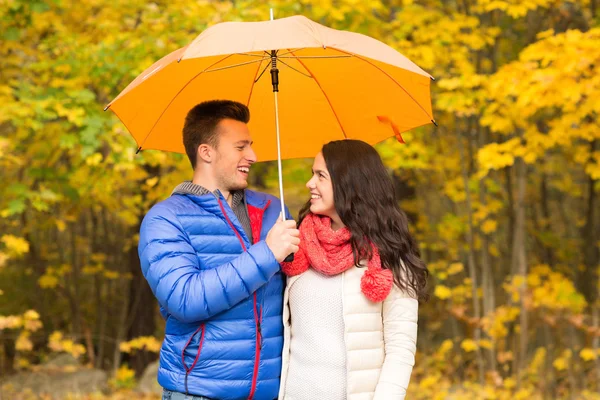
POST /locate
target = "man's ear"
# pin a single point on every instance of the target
(205, 153)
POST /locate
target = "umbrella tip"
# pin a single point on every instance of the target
(107, 107)
(138, 150)
(432, 78)
(435, 123)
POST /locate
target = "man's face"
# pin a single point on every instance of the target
(233, 156)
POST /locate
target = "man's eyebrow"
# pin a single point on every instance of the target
(244, 142)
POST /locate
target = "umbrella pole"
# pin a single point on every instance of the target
(279, 168)
(275, 82)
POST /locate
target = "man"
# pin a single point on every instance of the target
(211, 255)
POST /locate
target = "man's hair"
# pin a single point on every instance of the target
(201, 124)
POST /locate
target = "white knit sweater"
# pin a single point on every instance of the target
(317, 351)
(379, 338)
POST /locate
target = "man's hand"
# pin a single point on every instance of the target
(283, 239)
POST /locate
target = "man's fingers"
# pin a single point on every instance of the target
(294, 232)
(289, 224)
(294, 248)
(295, 241)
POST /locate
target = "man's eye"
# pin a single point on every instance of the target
(240, 148)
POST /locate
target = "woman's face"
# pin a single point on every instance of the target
(321, 189)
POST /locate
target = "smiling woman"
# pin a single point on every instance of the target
(321, 192)
(352, 297)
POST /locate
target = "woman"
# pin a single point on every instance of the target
(351, 300)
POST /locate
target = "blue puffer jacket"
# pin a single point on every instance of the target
(221, 296)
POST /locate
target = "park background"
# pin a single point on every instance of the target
(504, 196)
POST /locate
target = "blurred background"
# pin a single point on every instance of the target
(504, 196)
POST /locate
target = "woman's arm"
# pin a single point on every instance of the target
(400, 314)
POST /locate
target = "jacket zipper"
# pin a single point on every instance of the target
(257, 317)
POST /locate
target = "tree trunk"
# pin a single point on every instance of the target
(519, 258)
(471, 265)
(510, 210)
(489, 295)
(596, 342)
(74, 300)
(588, 278)
(142, 312)
(121, 329)
(547, 251)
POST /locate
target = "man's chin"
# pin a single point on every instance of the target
(239, 186)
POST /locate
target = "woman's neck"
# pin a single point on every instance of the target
(336, 222)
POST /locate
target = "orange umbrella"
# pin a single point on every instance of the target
(334, 85)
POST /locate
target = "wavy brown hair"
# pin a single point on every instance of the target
(365, 200)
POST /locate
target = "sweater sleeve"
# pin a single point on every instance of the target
(400, 314)
(170, 265)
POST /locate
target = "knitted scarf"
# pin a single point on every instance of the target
(330, 253)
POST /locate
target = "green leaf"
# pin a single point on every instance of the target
(12, 34)
(39, 7)
(16, 206)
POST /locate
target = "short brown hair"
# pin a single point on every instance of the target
(201, 123)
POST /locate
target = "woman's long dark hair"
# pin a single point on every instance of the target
(364, 197)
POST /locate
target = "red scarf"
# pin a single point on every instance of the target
(330, 253)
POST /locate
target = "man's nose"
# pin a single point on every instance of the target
(251, 155)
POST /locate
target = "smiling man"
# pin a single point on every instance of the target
(211, 255)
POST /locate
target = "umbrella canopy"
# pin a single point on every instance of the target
(333, 85)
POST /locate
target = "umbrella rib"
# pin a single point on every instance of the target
(389, 76)
(297, 70)
(324, 94)
(298, 57)
(236, 65)
(174, 97)
(297, 50)
(249, 55)
(261, 74)
(255, 80)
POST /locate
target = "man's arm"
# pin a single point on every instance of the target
(170, 265)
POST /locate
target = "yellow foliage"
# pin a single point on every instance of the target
(124, 378)
(148, 343)
(588, 354)
(15, 246)
(10, 322)
(538, 360)
(57, 343)
(23, 343)
(562, 363)
(455, 268)
(48, 281)
(442, 292)
(469, 345)
(510, 383)
(60, 225)
(445, 347)
(489, 226)
(495, 323)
